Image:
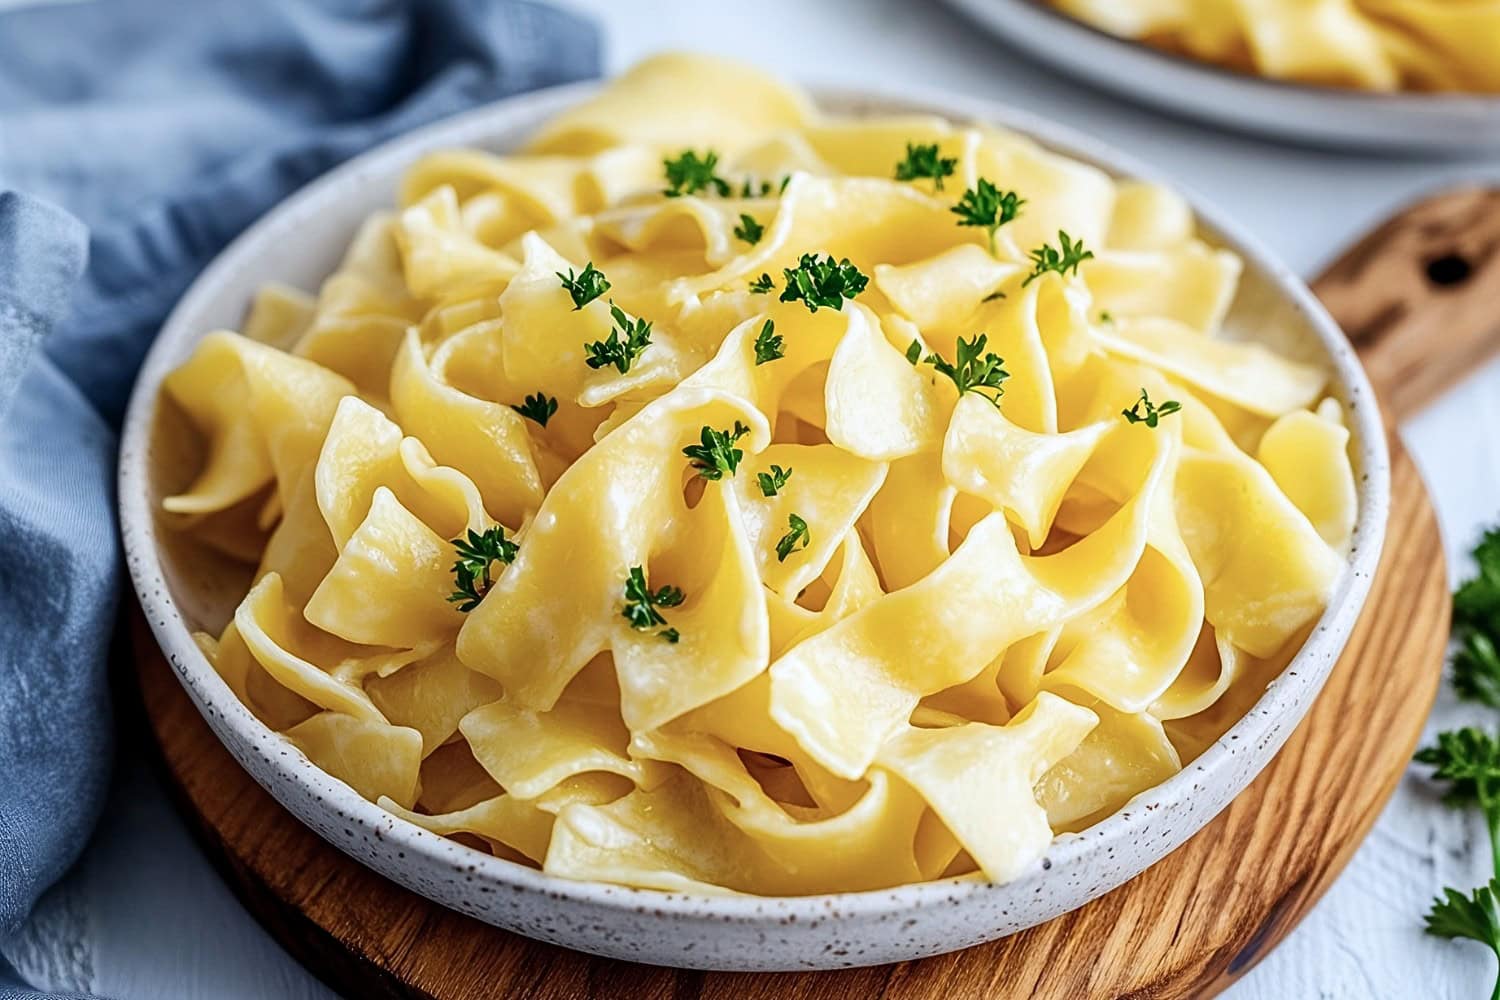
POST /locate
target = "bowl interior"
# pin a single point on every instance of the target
(184, 586)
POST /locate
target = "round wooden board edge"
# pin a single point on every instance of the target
(318, 918)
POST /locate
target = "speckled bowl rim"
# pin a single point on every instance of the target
(1284, 701)
(1401, 122)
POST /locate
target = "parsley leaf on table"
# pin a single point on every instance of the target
(1475, 916)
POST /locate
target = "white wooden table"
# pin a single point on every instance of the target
(144, 916)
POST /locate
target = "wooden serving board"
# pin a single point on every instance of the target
(1187, 927)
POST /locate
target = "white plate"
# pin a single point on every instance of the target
(182, 587)
(1323, 116)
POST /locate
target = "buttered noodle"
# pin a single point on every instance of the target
(1007, 610)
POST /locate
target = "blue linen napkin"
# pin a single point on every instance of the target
(140, 136)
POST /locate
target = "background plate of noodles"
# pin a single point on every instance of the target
(1376, 84)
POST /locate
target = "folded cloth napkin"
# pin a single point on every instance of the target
(137, 137)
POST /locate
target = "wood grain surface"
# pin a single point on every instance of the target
(1417, 296)
(1187, 927)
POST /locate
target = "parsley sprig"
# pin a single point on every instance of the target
(687, 173)
(537, 407)
(1476, 624)
(924, 161)
(986, 206)
(586, 287)
(1476, 603)
(976, 369)
(762, 285)
(715, 455)
(772, 482)
(1475, 916)
(625, 343)
(641, 604)
(1064, 257)
(818, 281)
(1476, 668)
(794, 540)
(1468, 759)
(768, 344)
(471, 573)
(749, 230)
(1151, 414)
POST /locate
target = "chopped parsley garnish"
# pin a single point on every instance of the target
(768, 346)
(716, 454)
(687, 174)
(817, 281)
(762, 285)
(641, 604)
(975, 371)
(924, 161)
(797, 538)
(986, 206)
(537, 407)
(622, 353)
(1049, 258)
(750, 189)
(471, 573)
(996, 294)
(772, 482)
(914, 352)
(749, 230)
(1146, 412)
(588, 286)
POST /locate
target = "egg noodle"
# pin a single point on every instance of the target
(1368, 44)
(721, 496)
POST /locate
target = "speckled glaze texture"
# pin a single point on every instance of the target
(1405, 122)
(300, 242)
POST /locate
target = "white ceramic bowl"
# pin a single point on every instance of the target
(182, 587)
(1322, 116)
